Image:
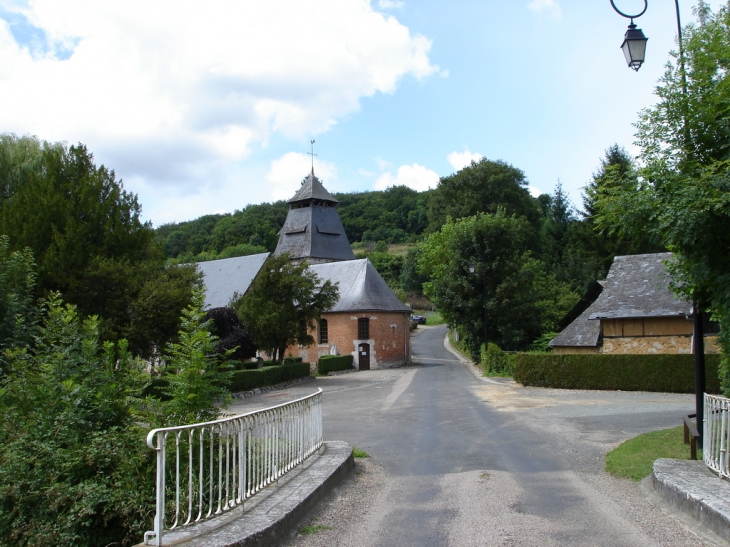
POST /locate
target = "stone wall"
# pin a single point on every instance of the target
(652, 344)
(651, 335)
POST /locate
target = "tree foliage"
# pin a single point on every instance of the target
(681, 195)
(70, 452)
(283, 303)
(18, 312)
(89, 242)
(522, 298)
(482, 187)
(74, 468)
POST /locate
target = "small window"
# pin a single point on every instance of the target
(323, 335)
(363, 328)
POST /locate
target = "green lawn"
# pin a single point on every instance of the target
(634, 458)
(434, 318)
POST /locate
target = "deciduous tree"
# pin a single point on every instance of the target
(283, 303)
(522, 299)
(482, 187)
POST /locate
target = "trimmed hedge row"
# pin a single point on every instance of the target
(250, 365)
(246, 380)
(334, 363)
(665, 373)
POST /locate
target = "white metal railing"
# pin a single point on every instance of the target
(208, 468)
(716, 431)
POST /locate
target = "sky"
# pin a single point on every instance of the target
(206, 107)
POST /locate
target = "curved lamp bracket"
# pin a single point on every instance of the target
(632, 17)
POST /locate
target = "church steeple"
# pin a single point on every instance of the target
(313, 229)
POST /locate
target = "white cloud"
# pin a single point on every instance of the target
(459, 160)
(167, 92)
(414, 176)
(534, 191)
(551, 7)
(390, 4)
(287, 172)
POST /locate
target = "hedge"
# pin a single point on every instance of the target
(665, 373)
(333, 363)
(246, 380)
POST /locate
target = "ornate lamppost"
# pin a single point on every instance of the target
(634, 48)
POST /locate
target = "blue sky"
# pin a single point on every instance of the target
(205, 107)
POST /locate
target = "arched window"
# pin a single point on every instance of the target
(323, 335)
(363, 328)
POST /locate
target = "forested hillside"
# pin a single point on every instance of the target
(531, 257)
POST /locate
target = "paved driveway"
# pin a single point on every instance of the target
(457, 460)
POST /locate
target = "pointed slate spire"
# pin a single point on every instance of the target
(312, 189)
(313, 229)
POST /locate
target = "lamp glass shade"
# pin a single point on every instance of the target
(634, 47)
(471, 267)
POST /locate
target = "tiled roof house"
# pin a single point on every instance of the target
(636, 312)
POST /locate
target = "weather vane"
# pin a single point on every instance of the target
(312, 154)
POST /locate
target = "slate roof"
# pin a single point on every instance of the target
(580, 333)
(637, 286)
(227, 276)
(312, 189)
(314, 232)
(361, 287)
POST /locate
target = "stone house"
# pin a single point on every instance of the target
(369, 321)
(633, 311)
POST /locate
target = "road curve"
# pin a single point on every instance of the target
(456, 461)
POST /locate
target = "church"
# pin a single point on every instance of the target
(368, 322)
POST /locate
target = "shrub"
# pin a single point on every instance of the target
(665, 373)
(334, 363)
(246, 380)
(494, 361)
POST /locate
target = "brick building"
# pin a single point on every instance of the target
(634, 311)
(368, 321)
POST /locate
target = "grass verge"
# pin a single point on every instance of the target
(459, 346)
(357, 453)
(634, 458)
(434, 318)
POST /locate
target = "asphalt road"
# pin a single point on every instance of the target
(459, 460)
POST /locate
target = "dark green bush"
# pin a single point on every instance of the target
(494, 361)
(334, 363)
(246, 380)
(665, 373)
(291, 360)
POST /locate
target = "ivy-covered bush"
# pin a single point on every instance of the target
(664, 373)
(334, 363)
(74, 413)
(495, 362)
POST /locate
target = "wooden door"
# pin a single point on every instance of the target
(364, 359)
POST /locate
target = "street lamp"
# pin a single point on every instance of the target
(634, 46)
(472, 270)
